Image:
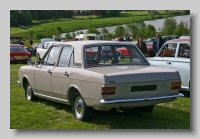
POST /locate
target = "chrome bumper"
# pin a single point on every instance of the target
(140, 99)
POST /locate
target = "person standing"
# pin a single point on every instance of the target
(142, 46)
(31, 41)
(158, 42)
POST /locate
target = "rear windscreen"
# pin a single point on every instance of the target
(17, 49)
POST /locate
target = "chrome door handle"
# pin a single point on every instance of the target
(49, 71)
(66, 74)
(168, 62)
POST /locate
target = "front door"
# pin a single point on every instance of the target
(165, 56)
(43, 72)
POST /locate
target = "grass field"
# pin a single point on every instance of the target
(45, 114)
(84, 22)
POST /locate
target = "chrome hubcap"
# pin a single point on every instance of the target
(29, 92)
(78, 107)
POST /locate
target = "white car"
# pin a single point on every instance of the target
(87, 76)
(175, 54)
(42, 50)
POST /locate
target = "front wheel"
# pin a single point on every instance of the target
(79, 108)
(29, 93)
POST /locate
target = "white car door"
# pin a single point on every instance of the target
(182, 64)
(61, 75)
(43, 72)
(165, 56)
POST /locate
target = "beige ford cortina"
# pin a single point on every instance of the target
(89, 75)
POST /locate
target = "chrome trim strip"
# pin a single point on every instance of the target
(51, 97)
(140, 99)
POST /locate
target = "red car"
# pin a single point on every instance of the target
(18, 53)
(149, 44)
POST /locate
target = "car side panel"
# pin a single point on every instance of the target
(184, 70)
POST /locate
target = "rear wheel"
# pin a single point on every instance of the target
(79, 108)
(29, 93)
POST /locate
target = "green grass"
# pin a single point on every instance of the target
(83, 22)
(45, 114)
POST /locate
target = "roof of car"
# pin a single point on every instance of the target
(180, 40)
(90, 42)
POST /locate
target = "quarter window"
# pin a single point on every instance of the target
(66, 57)
(51, 57)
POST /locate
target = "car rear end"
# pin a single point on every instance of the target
(137, 88)
(18, 53)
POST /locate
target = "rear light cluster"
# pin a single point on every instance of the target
(108, 90)
(176, 85)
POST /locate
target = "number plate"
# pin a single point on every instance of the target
(20, 56)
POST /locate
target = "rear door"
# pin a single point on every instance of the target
(61, 75)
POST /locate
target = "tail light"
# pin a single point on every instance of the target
(176, 85)
(108, 90)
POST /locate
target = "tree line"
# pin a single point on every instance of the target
(25, 17)
(140, 29)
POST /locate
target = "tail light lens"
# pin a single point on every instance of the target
(176, 85)
(108, 90)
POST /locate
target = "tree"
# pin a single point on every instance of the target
(25, 17)
(111, 13)
(104, 31)
(185, 12)
(134, 29)
(109, 36)
(169, 26)
(120, 31)
(150, 31)
(182, 28)
(68, 36)
(93, 30)
(152, 13)
(13, 18)
(59, 29)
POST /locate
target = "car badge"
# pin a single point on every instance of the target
(167, 76)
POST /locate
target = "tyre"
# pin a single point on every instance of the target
(79, 108)
(29, 93)
(147, 109)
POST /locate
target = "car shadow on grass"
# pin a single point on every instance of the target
(185, 93)
(161, 118)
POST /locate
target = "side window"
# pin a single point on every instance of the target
(168, 50)
(66, 57)
(51, 57)
(48, 45)
(184, 50)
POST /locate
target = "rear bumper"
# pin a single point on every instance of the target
(140, 99)
(131, 103)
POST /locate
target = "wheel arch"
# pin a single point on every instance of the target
(71, 90)
(24, 80)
